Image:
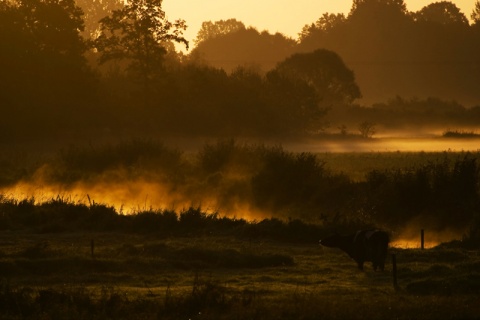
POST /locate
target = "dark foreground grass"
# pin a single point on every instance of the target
(57, 276)
(209, 300)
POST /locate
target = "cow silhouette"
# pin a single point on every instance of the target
(364, 245)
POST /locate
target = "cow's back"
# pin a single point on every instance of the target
(372, 246)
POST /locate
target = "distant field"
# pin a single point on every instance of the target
(390, 144)
(209, 277)
(357, 164)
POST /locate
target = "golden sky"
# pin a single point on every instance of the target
(284, 16)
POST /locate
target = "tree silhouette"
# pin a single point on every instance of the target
(45, 47)
(94, 11)
(292, 105)
(45, 78)
(367, 129)
(324, 71)
(138, 33)
(210, 30)
(360, 5)
(53, 26)
(244, 47)
(326, 23)
(443, 12)
(429, 53)
(476, 13)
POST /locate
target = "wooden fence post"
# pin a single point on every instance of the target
(422, 239)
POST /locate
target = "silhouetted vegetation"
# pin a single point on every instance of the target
(412, 54)
(222, 44)
(441, 191)
(248, 215)
(460, 134)
(74, 71)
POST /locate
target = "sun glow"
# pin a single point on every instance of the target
(412, 244)
(130, 197)
(388, 144)
(410, 237)
(282, 16)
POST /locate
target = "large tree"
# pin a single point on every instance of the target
(210, 30)
(45, 49)
(233, 47)
(359, 5)
(94, 11)
(443, 12)
(325, 72)
(476, 13)
(44, 78)
(323, 26)
(139, 33)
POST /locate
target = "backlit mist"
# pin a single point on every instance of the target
(186, 159)
(91, 90)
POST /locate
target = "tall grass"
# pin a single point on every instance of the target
(212, 300)
(62, 216)
(395, 188)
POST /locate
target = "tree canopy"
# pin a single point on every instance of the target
(238, 81)
(432, 52)
(443, 12)
(324, 71)
(44, 71)
(138, 33)
(210, 30)
(233, 47)
(326, 23)
(94, 11)
(373, 6)
(476, 13)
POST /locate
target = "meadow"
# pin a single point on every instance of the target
(71, 257)
(139, 276)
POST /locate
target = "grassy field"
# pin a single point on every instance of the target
(67, 259)
(357, 164)
(123, 276)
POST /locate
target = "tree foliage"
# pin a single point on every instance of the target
(138, 33)
(324, 71)
(432, 52)
(371, 6)
(476, 12)
(44, 71)
(443, 12)
(326, 23)
(94, 11)
(246, 47)
(238, 80)
(210, 30)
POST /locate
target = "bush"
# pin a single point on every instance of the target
(134, 157)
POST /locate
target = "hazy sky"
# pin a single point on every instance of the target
(284, 16)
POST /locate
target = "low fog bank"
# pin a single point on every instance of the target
(398, 191)
(386, 144)
(409, 237)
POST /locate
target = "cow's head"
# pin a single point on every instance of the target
(331, 241)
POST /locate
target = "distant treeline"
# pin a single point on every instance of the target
(441, 194)
(433, 52)
(83, 69)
